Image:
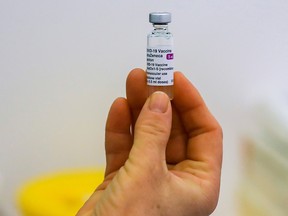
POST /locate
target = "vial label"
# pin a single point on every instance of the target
(160, 67)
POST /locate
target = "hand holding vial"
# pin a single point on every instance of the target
(163, 157)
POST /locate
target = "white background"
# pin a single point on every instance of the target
(62, 63)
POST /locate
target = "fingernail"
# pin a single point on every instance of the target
(158, 102)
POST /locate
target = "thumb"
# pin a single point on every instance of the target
(152, 131)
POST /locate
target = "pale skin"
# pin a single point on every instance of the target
(168, 164)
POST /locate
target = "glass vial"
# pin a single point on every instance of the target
(160, 56)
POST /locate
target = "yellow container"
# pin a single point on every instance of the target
(58, 194)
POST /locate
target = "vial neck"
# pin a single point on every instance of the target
(160, 27)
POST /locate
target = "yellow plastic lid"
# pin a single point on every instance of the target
(58, 194)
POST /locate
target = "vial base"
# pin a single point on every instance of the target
(169, 90)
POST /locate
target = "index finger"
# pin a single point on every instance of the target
(136, 92)
(203, 130)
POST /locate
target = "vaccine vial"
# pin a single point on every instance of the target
(160, 56)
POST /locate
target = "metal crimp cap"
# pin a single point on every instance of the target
(160, 17)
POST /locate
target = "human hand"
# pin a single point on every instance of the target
(168, 164)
